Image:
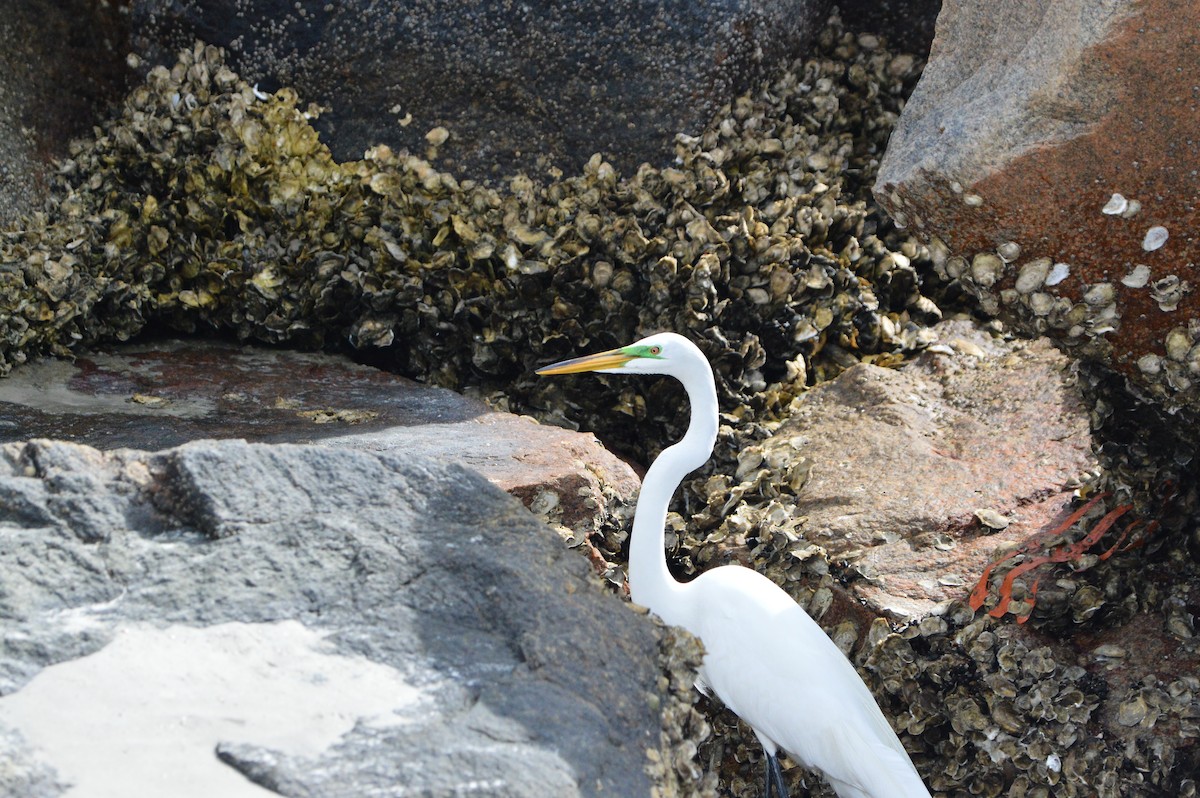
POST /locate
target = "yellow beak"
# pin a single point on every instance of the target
(614, 358)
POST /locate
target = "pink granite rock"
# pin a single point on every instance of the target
(905, 462)
(1060, 136)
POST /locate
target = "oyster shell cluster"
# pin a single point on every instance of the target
(1028, 709)
(206, 205)
(685, 728)
(1081, 322)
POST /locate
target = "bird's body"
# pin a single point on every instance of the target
(765, 658)
(794, 687)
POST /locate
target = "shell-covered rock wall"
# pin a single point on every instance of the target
(208, 205)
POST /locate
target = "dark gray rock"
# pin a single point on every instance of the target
(518, 85)
(907, 24)
(159, 394)
(23, 773)
(60, 63)
(526, 679)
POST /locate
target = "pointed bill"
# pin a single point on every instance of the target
(614, 358)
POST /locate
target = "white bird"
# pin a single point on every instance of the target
(765, 658)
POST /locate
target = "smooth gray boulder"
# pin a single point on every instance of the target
(313, 621)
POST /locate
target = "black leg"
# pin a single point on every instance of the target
(774, 775)
(780, 787)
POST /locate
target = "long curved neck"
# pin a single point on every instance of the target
(650, 583)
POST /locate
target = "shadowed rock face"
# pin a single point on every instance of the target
(908, 24)
(505, 661)
(1059, 139)
(60, 64)
(519, 86)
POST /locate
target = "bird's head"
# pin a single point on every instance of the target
(664, 353)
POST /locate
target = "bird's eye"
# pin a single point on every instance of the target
(654, 350)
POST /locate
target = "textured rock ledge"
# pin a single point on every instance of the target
(149, 396)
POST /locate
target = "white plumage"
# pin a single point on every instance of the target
(765, 658)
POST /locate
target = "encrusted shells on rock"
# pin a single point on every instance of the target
(986, 269)
(1032, 275)
(1009, 251)
(1100, 294)
(1138, 277)
(1168, 292)
(1058, 273)
(1116, 205)
(1178, 344)
(1155, 237)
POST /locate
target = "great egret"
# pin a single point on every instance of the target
(764, 657)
